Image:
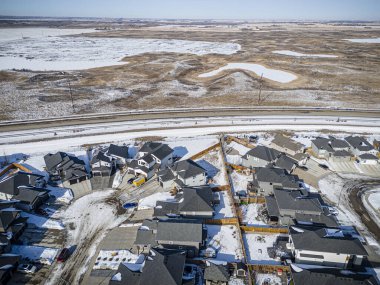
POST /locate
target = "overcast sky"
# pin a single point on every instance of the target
(198, 9)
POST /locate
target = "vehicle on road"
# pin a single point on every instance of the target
(26, 268)
(63, 255)
(324, 166)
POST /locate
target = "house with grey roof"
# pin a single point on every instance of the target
(322, 148)
(266, 179)
(359, 145)
(331, 149)
(11, 223)
(298, 207)
(260, 156)
(161, 267)
(325, 246)
(151, 157)
(119, 153)
(368, 158)
(8, 265)
(191, 202)
(287, 163)
(310, 275)
(216, 274)
(181, 174)
(102, 164)
(184, 234)
(286, 144)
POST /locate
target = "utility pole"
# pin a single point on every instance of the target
(260, 87)
(71, 96)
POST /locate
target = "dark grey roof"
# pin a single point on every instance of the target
(330, 276)
(337, 143)
(323, 143)
(359, 143)
(135, 165)
(145, 237)
(285, 162)
(341, 153)
(295, 200)
(120, 151)
(74, 173)
(9, 259)
(187, 168)
(166, 175)
(272, 207)
(10, 184)
(197, 200)
(30, 194)
(368, 156)
(52, 160)
(217, 273)
(100, 156)
(180, 230)
(7, 216)
(164, 208)
(288, 143)
(264, 153)
(322, 239)
(324, 219)
(277, 176)
(162, 151)
(150, 147)
(148, 158)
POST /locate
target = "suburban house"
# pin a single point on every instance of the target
(70, 169)
(161, 267)
(102, 164)
(260, 156)
(359, 145)
(118, 153)
(331, 149)
(216, 274)
(182, 234)
(266, 179)
(297, 207)
(11, 223)
(368, 158)
(286, 144)
(191, 203)
(183, 173)
(302, 275)
(151, 157)
(287, 163)
(25, 188)
(325, 246)
(8, 265)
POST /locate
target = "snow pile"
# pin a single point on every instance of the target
(111, 259)
(118, 178)
(240, 181)
(64, 195)
(298, 54)
(250, 214)
(267, 279)
(371, 201)
(366, 41)
(272, 74)
(257, 248)
(224, 209)
(225, 241)
(42, 222)
(150, 201)
(41, 254)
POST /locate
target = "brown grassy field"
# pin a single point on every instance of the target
(165, 80)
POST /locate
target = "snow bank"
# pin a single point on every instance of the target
(42, 222)
(41, 254)
(272, 74)
(367, 41)
(298, 54)
(371, 202)
(150, 201)
(63, 195)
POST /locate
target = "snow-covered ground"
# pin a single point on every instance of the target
(368, 40)
(224, 209)
(43, 222)
(50, 51)
(298, 54)
(267, 279)
(150, 201)
(41, 254)
(272, 74)
(250, 214)
(186, 147)
(225, 241)
(372, 203)
(240, 181)
(212, 162)
(63, 195)
(111, 259)
(256, 246)
(238, 147)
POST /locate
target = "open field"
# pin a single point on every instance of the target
(157, 65)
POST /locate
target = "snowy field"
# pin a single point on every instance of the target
(267, 279)
(42, 222)
(298, 54)
(149, 202)
(36, 253)
(256, 246)
(50, 51)
(250, 214)
(240, 182)
(271, 74)
(212, 162)
(225, 241)
(367, 41)
(372, 204)
(224, 209)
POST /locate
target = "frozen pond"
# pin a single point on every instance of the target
(366, 41)
(298, 54)
(39, 49)
(272, 74)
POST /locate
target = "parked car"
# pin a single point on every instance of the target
(63, 255)
(130, 181)
(324, 166)
(129, 205)
(27, 268)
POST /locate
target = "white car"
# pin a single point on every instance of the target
(26, 268)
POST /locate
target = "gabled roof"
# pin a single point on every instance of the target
(323, 144)
(264, 153)
(10, 184)
(288, 143)
(163, 151)
(323, 239)
(277, 176)
(295, 200)
(7, 216)
(9, 259)
(74, 173)
(119, 151)
(187, 168)
(324, 219)
(337, 143)
(217, 273)
(328, 276)
(180, 230)
(368, 156)
(341, 153)
(150, 147)
(52, 160)
(148, 158)
(30, 194)
(285, 162)
(359, 143)
(197, 200)
(100, 156)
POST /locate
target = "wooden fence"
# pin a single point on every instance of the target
(205, 151)
(268, 268)
(239, 141)
(256, 229)
(221, 222)
(221, 188)
(253, 200)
